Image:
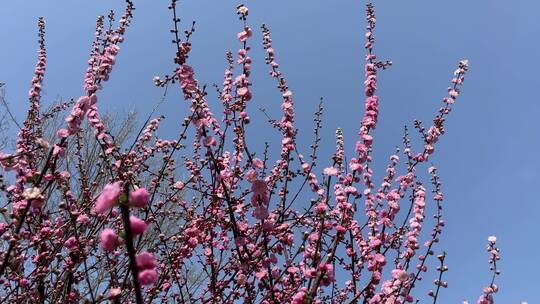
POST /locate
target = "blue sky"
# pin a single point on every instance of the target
(488, 158)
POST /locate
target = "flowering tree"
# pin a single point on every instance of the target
(221, 223)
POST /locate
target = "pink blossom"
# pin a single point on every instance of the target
(71, 243)
(260, 196)
(108, 197)
(400, 274)
(245, 34)
(299, 297)
(138, 226)
(262, 273)
(83, 219)
(109, 239)
(3, 228)
(251, 175)
(485, 299)
(148, 276)
(62, 133)
(139, 198)
(259, 187)
(321, 207)
(331, 171)
(260, 213)
(179, 185)
(146, 260)
(257, 163)
(57, 150)
(114, 293)
(209, 141)
(187, 82)
(341, 229)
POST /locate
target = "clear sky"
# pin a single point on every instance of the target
(488, 159)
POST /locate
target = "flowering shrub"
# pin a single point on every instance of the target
(221, 223)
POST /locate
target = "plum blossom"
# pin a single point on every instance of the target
(139, 198)
(71, 243)
(331, 171)
(138, 226)
(108, 197)
(148, 276)
(109, 239)
(114, 293)
(146, 260)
